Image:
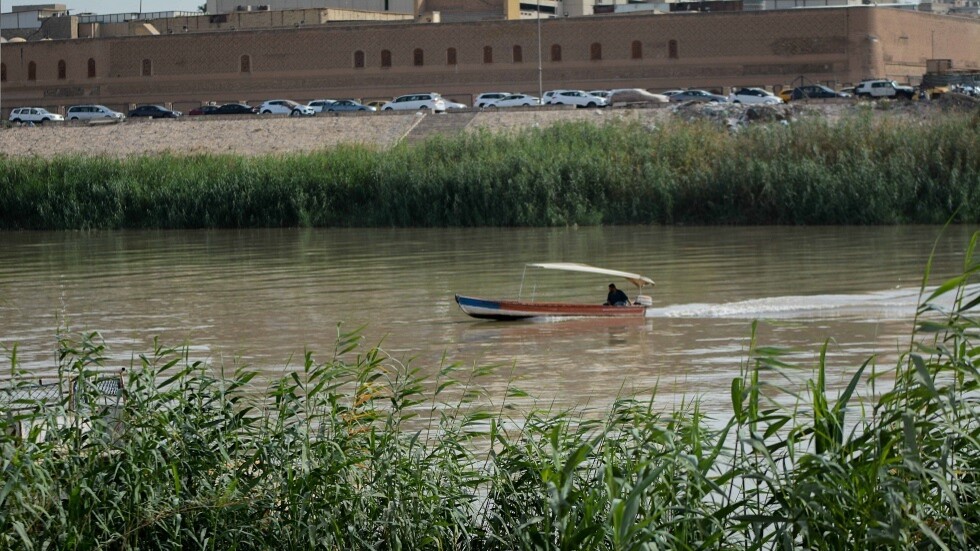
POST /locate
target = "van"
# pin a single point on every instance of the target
(89, 112)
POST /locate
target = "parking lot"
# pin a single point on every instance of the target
(280, 134)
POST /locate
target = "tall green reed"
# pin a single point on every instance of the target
(860, 171)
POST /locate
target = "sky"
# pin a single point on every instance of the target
(112, 6)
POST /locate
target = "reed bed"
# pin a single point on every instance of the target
(859, 171)
(363, 452)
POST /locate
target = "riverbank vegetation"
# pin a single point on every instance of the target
(858, 171)
(363, 452)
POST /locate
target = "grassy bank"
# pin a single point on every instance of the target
(861, 171)
(361, 452)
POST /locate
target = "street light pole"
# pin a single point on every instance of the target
(540, 70)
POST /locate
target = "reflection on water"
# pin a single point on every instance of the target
(263, 297)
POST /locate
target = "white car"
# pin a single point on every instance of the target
(320, 105)
(515, 100)
(412, 102)
(881, 88)
(601, 94)
(486, 98)
(286, 107)
(546, 97)
(753, 96)
(450, 104)
(578, 98)
(37, 115)
(89, 112)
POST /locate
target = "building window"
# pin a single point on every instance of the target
(488, 54)
(555, 52)
(451, 56)
(418, 58)
(246, 64)
(385, 58)
(32, 71)
(358, 59)
(636, 50)
(147, 67)
(595, 51)
(672, 49)
(518, 54)
(3, 72)
(91, 68)
(62, 70)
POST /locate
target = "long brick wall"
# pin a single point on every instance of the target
(647, 51)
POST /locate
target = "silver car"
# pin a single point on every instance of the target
(89, 112)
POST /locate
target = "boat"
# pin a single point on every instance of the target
(504, 309)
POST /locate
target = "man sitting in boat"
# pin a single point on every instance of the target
(616, 297)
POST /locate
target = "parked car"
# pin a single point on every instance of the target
(37, 115)
(285, 107)
(377, 104)
(410, 102)
(605, 94)
(236, 109)
(348, 105)
(699, 96)
(786, 94)
(578, 98)
(515, 100)
(849, 90)
(669, 93)
(753, 96)
(320, 105)
(881, 88)
(547, 96)
(816, 91)
(486, 98)
(635, 96)
(154, 111)
(202, 110)
(89, 112)
(450, 104)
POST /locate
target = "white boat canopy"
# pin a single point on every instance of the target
(635, 279)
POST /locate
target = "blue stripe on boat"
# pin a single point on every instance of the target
(477, 303)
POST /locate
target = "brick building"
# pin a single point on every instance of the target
(372, 61)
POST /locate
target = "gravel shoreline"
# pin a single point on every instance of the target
(252, 136)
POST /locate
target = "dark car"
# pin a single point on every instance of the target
(347, 105)
(236, 109)
(203, 110)
(156, 111)
(699, 96)
(816, 91)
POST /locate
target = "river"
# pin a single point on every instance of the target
(263, 297)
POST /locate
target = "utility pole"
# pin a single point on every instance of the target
(540, 70)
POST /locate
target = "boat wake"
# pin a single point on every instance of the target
(881, 305)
